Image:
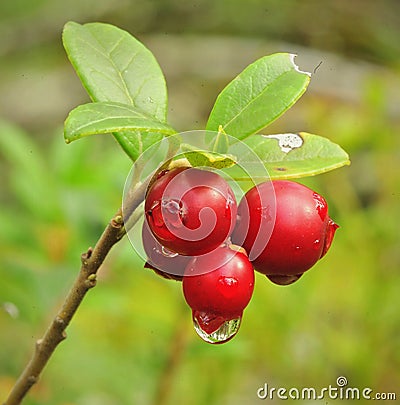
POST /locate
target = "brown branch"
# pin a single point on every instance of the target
(55, 333)
(91, 262)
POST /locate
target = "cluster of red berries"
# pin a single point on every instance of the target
(196, 233)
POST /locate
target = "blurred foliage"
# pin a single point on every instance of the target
(131, 341)
(360, 28)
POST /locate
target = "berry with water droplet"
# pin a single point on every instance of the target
(301, 235)
(218, 286)
(213, 328)
(190, 211)
(162, 261)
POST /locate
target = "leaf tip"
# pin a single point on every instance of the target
(296, 68)
(69, 25)
(67, 138)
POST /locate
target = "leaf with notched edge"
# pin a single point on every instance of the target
(258, 95)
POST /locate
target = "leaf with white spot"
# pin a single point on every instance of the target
(288, 156)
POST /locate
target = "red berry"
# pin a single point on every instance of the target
(190, 211)
(302, 232)
(219, 285)
(162, 261)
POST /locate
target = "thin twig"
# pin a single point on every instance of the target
(55, 333)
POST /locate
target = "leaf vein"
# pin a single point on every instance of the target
(101, 49)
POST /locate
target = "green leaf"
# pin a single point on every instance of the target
(134, 143)
(258, 95)
(114, 66)
(107, 117)
(197, 157)
(288, 156)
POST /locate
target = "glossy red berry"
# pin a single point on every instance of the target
(218, 286)
(301, 234)
(162, 261)
(190, 211)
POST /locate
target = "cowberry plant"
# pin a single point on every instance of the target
(205, 207)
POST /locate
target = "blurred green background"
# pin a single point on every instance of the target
(131, 341)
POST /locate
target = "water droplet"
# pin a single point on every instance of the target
(265, 212)
(172, 212)
(317, 244)
(229, 202)
(297, 250)
(214, 328)
(227, 286)
(168, 253)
